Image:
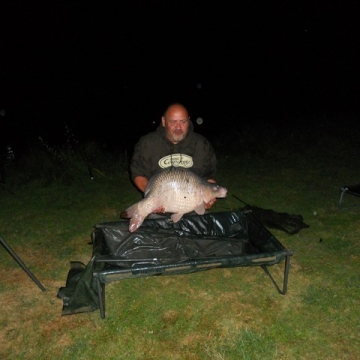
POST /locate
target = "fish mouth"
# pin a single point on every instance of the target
(223, 193)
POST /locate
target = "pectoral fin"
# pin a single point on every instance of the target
(200, 209)
(176, 217)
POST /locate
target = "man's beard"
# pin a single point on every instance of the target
(178, 137)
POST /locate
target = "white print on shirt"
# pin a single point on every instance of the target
(176, 160)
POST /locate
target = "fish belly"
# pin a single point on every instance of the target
(180, 201)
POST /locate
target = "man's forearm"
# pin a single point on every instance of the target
(141, 182)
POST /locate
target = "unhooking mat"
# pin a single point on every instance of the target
(226, 239)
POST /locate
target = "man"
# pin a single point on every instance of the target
(174, 143)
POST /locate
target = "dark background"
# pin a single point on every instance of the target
(109, 69)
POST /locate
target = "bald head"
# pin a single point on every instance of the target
(175, 107)
(176, 122)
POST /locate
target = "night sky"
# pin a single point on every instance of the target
(100, 67)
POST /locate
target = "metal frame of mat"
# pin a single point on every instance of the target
(350, 190)
(107, 276)
(263, 249)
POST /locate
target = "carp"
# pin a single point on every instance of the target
(173, 190)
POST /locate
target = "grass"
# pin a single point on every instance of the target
(48, 210)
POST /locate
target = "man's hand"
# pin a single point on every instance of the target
(141, 182)
(210, 204)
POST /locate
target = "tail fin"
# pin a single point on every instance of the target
(129, 212)
(135, 222)
(124, 215)
(136, 219)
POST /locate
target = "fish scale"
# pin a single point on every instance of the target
(181, 199)
(178, 194)
(175, 190)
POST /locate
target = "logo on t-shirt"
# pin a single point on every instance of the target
(176, 160)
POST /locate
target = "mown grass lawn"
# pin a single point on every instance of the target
(218, 314)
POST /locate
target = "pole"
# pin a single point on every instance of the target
(25, 268)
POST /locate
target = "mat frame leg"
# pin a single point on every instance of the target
(286, 276)
(101, 295)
